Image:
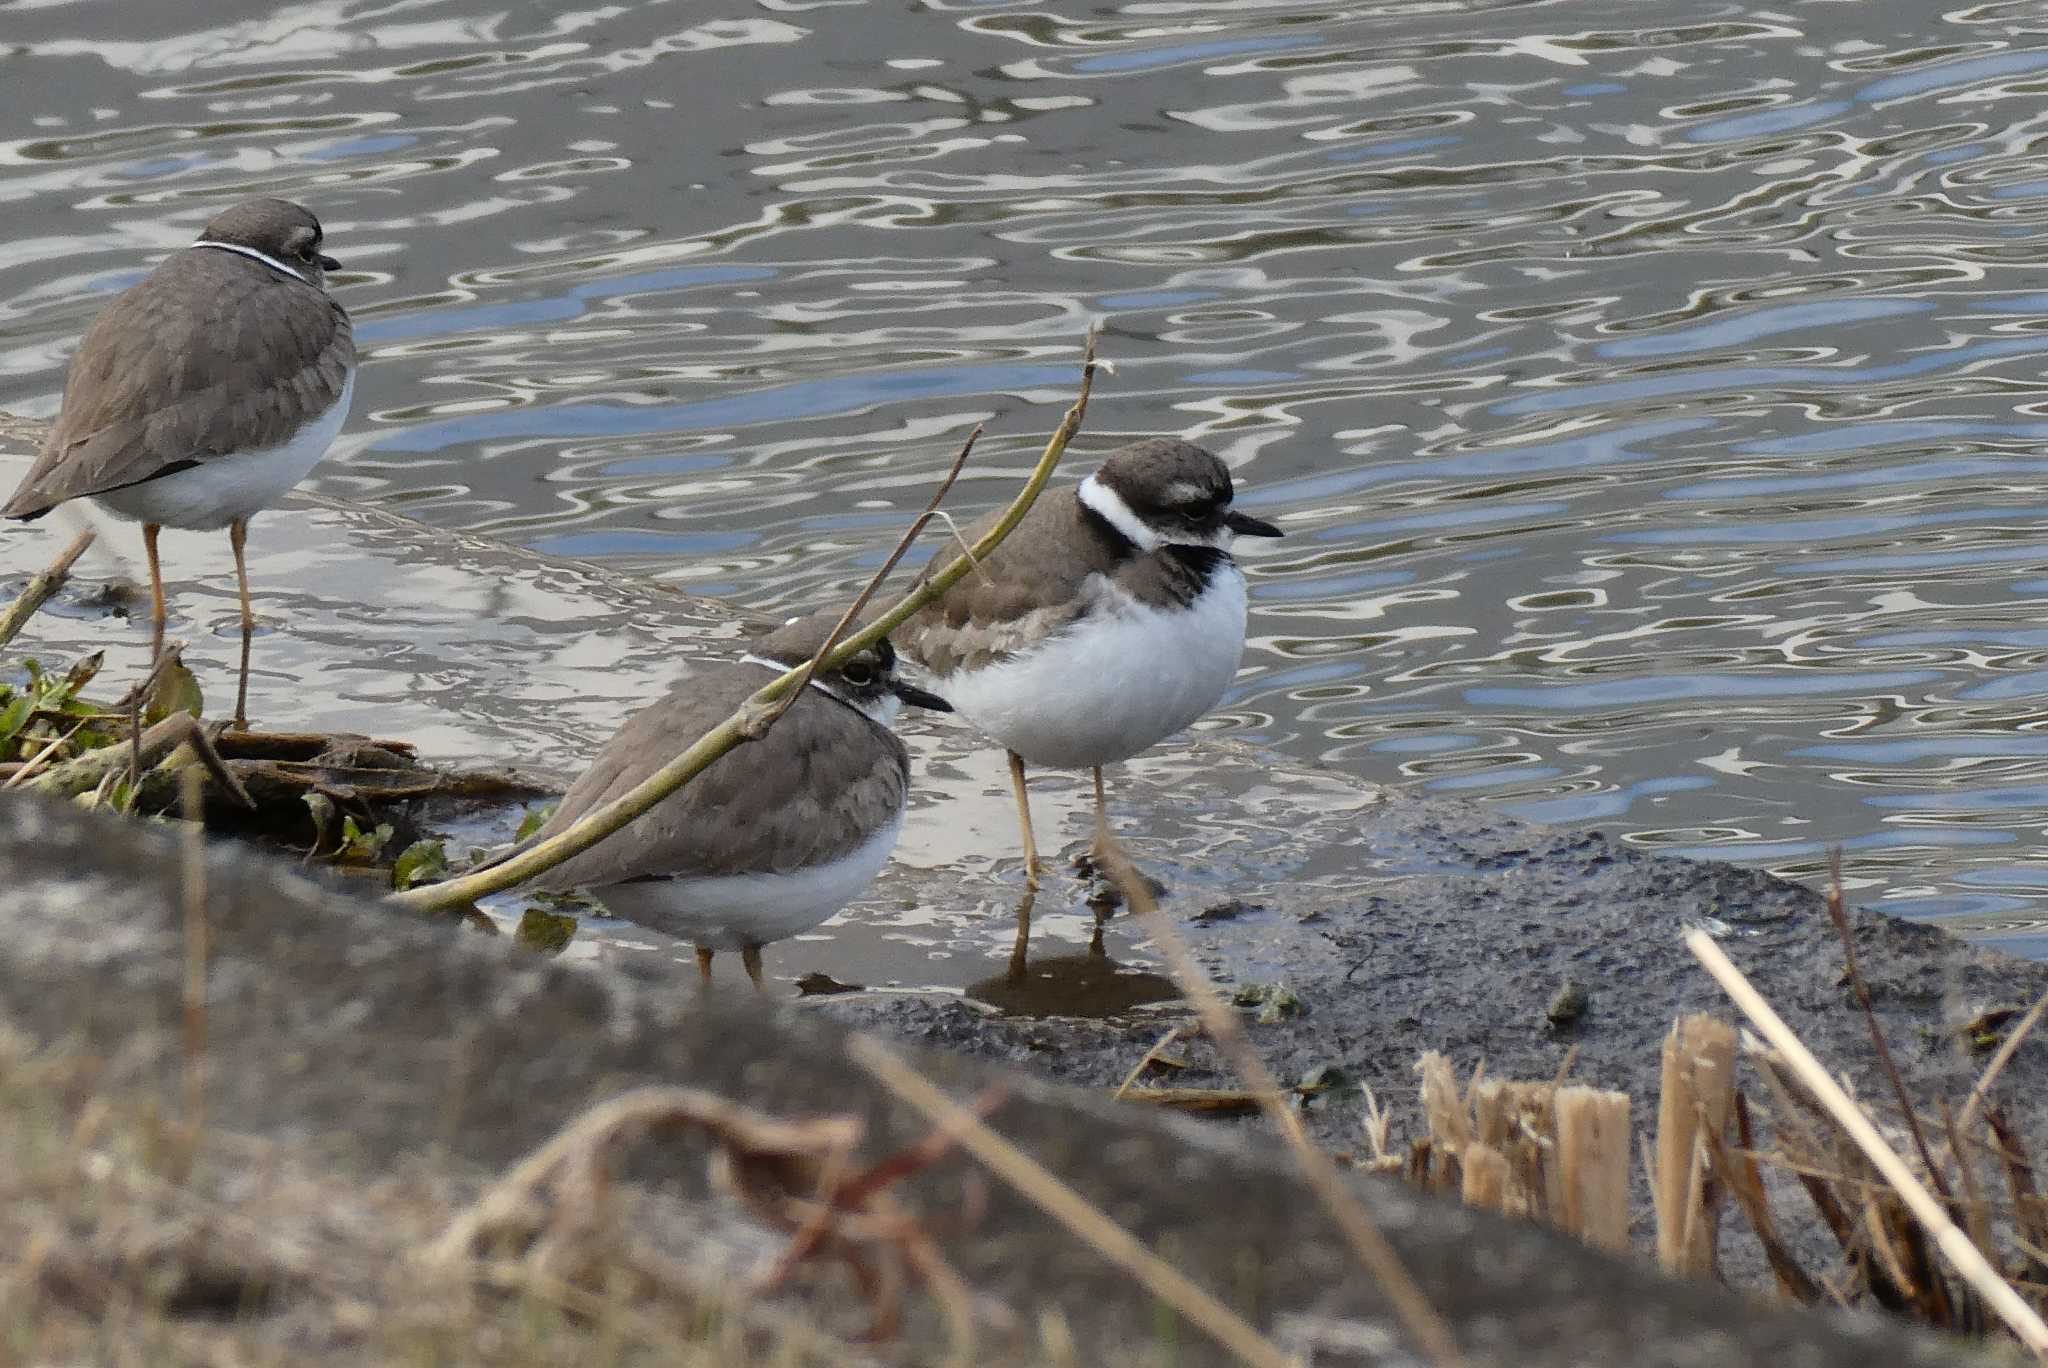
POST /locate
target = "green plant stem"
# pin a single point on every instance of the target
(41, 587)
(741, 726)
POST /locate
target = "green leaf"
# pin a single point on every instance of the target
(535, 819)
(322, 809)
(547, 932)
(15, 715)
(421, 862)
(176, 690)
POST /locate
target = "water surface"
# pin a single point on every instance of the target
(1650, 391)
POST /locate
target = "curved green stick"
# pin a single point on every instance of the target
(741, 726)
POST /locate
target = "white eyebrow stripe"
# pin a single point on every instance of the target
(1109, 505)
(272, 262)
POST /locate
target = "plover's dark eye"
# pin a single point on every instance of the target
(859, 674)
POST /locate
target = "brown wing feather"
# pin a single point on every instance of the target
(1033, 584)
(245, 364)
(737, 817)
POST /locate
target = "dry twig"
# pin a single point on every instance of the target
(2006, 1049)
(595, 826)
(757, 726)
(550, 1213)
(192, 859)
(1424, 1326)
(1838, 913)
(41, 588)
(1953, 1243)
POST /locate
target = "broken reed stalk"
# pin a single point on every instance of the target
(1059, 1201)
(1697, 1092)
(1592, 1163)
(594, 827)
(1955, 1246)
(1485, 1184)
(1411, 1308)
(41, 588)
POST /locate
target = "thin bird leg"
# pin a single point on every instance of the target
(704, 964)
(1020, 950)
(1104, 842)
(156, 593)
(1105, 854)
(238, 537)
(750, 956)
(1024, 820)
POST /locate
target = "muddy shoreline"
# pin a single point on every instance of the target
(1377, 926)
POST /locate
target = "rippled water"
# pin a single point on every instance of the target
(1650, 391)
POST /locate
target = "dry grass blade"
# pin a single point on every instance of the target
(42, 757)
(510, 1213)
(1145, 1061)
(39, 589)
(203, 750)
(1067, 1206)
(1838, 913)
(595, 826)
(1953, 1243)
(192, 855)
(83, 773)
(1975, 1209)
(1745, 1181)
(1226, 1028)
(2006, 1049)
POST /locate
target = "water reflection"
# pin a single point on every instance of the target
(1652, 398)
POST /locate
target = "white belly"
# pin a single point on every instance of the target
(733, 911)
(223, 489)
(1122, 679)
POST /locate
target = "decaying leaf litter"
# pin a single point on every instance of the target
(347, 802)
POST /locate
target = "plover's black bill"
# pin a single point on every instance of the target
(920, 698)
(1245, 525)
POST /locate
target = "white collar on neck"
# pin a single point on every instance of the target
(765, 663)
(272, 262)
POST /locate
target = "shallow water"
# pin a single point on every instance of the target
(1649, 391)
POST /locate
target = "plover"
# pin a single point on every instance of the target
(776, 835)
(1110, 618)
(202, 394)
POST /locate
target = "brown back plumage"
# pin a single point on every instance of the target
(1041, 579)
(213, 353)
(824, 780)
